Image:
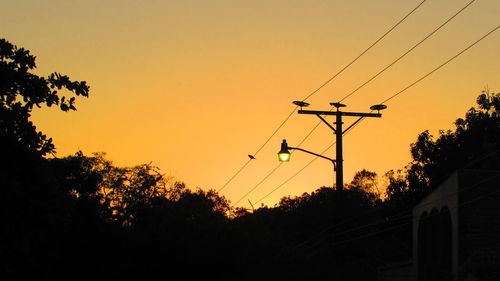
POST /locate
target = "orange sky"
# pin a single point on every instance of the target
(195, 86)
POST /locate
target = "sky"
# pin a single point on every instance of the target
(193, 87)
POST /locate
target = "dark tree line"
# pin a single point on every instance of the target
(81, 217)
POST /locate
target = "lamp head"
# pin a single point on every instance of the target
(284, 154)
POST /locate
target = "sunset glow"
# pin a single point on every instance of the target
(196, 86)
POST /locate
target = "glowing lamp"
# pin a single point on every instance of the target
(284, 154)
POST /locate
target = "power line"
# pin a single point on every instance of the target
(237, 173)
(275, 131)
(440, 66)
(409, 209)
(403, 224)
(365, 51)
(432, 71)
(294, 175)
(426, 204)
(373, 77)
(274, 169)
(395, 218)
(309, 163)
(258, 150)
(323, 85)
(385, 101)
(252, 189)
(408, 51)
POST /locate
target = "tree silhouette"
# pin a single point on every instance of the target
(34, 208)
(21, 90)
(82, 217)
(366, 181)
(474, 143)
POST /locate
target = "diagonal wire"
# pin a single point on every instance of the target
(323, 85)
(440, 66)
(373, 77)
(236, 174)
(408, 51)
(275, 131)
(294, 175)
(411, 221)
(399, 216)
(365, 51)
(258, 184)
(402, 213)
(258, 150)
(385, 101)
(275, 168)
(432, 71)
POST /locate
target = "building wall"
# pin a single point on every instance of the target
(428, 215)
(479, 228)
(472, 200)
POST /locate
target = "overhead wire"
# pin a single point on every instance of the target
(257, 185)
(395, 218)
(294, 175)
(405, 211)
(318, 89)
(235, 174)
(408, 51)
(404, 214)
(368, 81)
(365, 51)
(272, 171)
(435, 69)
(385, 101)
(258, 150)
(441, 65)
(403, 224)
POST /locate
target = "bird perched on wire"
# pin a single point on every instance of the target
(251, 157)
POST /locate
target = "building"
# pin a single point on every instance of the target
(456, 231)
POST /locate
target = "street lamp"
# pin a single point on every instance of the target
(339, 131)
(284, 154)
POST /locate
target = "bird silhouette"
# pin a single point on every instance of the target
(251, 157)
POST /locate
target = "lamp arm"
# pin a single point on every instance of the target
(317, 155)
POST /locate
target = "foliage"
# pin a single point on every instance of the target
(366, 182)
(36, 212)
(474, 143)
(21, 90)
(84, 217)
(123, 192)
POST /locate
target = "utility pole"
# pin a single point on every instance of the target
(339, 132)
(339, 173)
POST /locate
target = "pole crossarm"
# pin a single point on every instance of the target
(317, 155)
(342, 113)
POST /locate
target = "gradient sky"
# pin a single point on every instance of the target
(195, 86)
